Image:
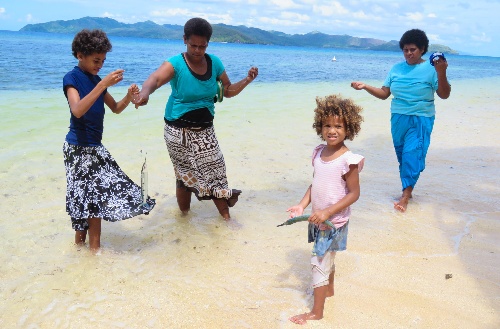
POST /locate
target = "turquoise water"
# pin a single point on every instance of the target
(40, 60)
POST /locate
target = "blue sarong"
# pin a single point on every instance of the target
(411, 136)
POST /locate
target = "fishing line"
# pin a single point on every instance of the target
(144, 168)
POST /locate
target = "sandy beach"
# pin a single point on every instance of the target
(435, 266)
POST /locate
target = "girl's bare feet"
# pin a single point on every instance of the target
(302, 318)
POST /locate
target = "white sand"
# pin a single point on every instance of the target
(165, 271)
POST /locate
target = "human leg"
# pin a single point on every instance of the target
(183, 196)
(222, 207)
(316, 313)
(331, 291)
(322, 277)
(411, 138)
(94, 234)
(80, 237)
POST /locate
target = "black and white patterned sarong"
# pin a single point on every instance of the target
(98, 188)
(198, 162)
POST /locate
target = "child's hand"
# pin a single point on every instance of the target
(295, 211)
(133, 92)
(113, 78)
(319, 217)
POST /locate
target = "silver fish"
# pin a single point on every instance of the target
(302, 218)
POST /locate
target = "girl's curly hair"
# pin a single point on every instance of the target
(344, 108)
(88, 42)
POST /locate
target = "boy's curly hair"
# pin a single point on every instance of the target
(88, 42)
(344, 108)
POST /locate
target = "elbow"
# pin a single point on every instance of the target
(444, 95)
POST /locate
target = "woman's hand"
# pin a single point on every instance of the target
(141, 98)
(358, 85)
(440, 65)
(252, 73)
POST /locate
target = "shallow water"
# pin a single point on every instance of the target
(168, 271)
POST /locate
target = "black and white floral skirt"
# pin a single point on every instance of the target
(98, 188)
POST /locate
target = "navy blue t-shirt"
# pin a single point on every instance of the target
(86, 130)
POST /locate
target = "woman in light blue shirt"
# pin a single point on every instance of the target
(412, 84)
(196, 78)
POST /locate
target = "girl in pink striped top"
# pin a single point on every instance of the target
(334, 189)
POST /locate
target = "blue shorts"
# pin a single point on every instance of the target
(330, 240)
(411, 136)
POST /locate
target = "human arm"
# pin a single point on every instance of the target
(158, 78)
(444, 88)
(352, 182)
(233, 89)
(118, 107)
(298, 209)
(382, 92)
(80, 106)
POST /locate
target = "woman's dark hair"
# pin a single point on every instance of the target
(90, 42)
(198, 26)
(417, 37)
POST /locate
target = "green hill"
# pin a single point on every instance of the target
(221, 33)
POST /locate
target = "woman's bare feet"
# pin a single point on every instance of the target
(402, 204)
(223, 208)
(302, 318)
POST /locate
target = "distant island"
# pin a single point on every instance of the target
(222, 33)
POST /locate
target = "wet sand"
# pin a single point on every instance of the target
(169, 271)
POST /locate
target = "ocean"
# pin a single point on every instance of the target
(434, 266)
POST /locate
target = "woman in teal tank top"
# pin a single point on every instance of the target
(195, 78)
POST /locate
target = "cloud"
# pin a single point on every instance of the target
(2, 10)
(165, 16)
(29, 18)
(285, 4)
(416, 17)
(434, 38)
(335, 8)
(481, 38)
(171, 12)
(279, 22)
(294, 16)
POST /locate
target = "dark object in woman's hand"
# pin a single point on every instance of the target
(436, 56)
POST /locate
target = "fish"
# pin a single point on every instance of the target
(302, 218)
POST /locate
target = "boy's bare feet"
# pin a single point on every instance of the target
(302, 318)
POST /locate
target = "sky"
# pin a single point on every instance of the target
(470, 27)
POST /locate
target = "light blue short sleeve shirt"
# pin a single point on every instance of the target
(189, 92)
(413, 88)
